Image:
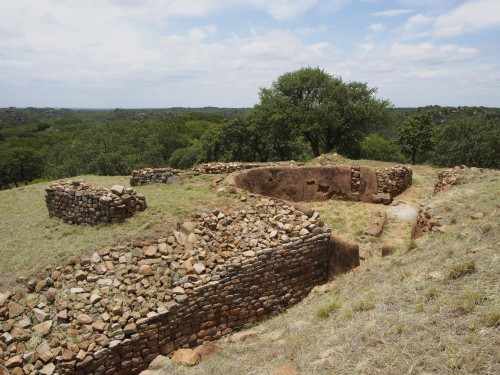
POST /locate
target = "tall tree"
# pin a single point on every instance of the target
(330, 114)
(473, 140)
(416, 136)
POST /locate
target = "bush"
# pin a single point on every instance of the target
(468, 140)
(375, 147)
(185, 158)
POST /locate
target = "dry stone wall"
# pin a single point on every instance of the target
(224, 168)
(78, 202)
(155, 176)
(394, 180)
(114, 312)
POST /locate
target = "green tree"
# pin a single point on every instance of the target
(416, 136)
(472, 140)
(375, 147)
(19, 165)
(330, 114)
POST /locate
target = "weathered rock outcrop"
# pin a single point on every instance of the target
(155, 176)
(319, 183)
(78, 202)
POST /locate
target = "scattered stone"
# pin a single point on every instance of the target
(40, 315)
(14, 309)
(437, 275)
(207, 349)
(186, 357)
(3, 298)
(242, 336)
(477, 216)
(188, 226)
(43, 328)
(145, 270)
(285, 370)
(48, 369)
(84, 319)
(376, 227)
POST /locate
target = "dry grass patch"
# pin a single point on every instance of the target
(390, 317)
(30, 239)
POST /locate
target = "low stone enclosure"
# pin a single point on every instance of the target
(114, 312)
(223, 168)
(155, 176)
(319, 183)
(78, 202)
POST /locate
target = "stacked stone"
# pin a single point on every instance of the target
(449, 177)
(355, 178)
(225, 168)
(425, 222)
(155, 176)
(394, 180)
(77, 202)
(124, 305)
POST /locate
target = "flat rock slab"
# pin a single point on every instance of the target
(403, 212)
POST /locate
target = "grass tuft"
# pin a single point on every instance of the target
(332, 306)
(462, 269)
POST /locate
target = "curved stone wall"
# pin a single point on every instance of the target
(78, 202)
(319, 183)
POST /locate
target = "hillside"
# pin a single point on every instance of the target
(430, 307)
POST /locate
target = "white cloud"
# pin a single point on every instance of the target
(392, 12)
(284, 9)
(417, 21)
(429, 53)
(471, 16)
(376, 26)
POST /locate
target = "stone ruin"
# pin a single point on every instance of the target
(223, 168)
(78, 202)
(155, 176)
(426, 221)
(114, 312)
(319, 183)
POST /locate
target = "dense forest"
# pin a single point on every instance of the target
(303, 114)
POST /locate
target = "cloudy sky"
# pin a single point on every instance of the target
(196, 53)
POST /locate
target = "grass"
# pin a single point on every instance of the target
(30, 238)
(390, 317)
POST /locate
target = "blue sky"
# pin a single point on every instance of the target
(196, 53)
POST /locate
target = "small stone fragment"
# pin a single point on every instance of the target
(186, 357)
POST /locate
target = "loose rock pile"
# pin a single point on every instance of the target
(114, 312)
(224, 168)
(394, 180)
(77, 202)
(425, 222)
(155, 176)
(450, 177)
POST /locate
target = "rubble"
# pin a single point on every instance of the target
(115, 311)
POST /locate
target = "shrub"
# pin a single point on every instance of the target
(375, 147)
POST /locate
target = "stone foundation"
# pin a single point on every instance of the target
(225, 168)
(78, 202)
(114, 312)
(155, 176)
